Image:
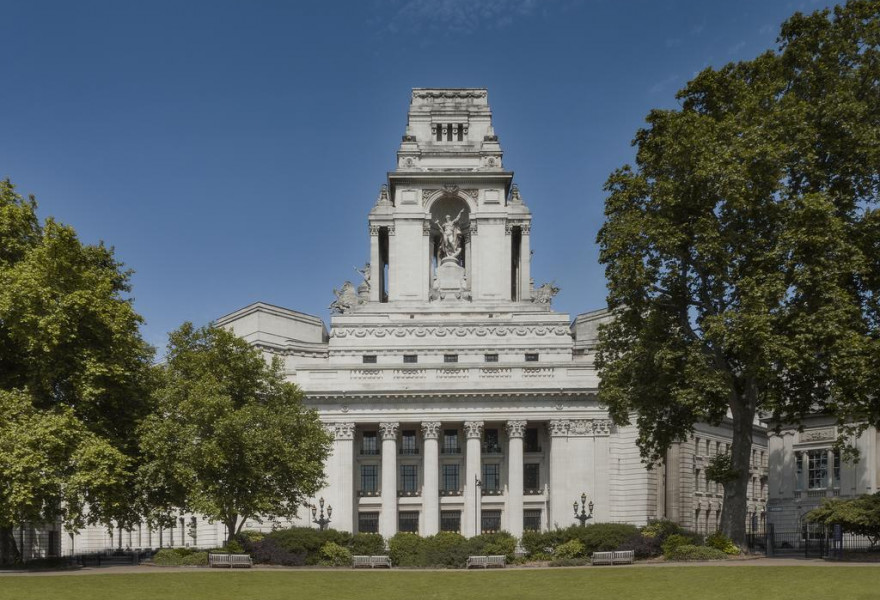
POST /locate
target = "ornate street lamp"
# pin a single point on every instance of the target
(321, 521)
(583, 517)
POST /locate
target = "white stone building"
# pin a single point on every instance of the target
(459, 400)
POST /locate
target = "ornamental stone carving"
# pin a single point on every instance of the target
(558, 427)
(516, 429)
(344, 431)
(383, 196)
(389, 430)
(602, 426)
(431, 429)
(346, 299)
(544, 294)
(473, 429)
(818, 435)
(329, 428)
(581, 427)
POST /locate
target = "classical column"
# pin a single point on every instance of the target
(472, 493)
(525, 262)
(431, 474)
(388, 516)
(560, 502)
(830, 473)
(515, 432)
(375, 265)
(343, 481)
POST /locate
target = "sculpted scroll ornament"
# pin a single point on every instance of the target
(389, 430)
(431, 429)
(516, 429)
(473, 429)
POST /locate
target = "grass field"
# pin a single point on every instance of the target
(666, 583)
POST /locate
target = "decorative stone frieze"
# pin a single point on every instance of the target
(389, 430)
(558, 427)
(516, 429)
(580, 427)
(817, 435)
(344, 431)
(602, 427)
(456, 331)
(473, 429)
(431, 429)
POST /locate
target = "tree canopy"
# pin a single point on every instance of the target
(860, 515)
(231, 439)
(742, 250)
(74, 375)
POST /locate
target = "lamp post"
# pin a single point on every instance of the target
(583, 516)
(477, 493)
(321, 521)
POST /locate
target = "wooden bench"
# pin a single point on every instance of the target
(371, 561)
(619, 557)
(498, 560)
(230, 560)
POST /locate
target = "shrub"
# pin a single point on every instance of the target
(569, 562)
(369, 544)
(691, 552)
(602, 537)
(307, 542)
(675, 541)
(406, 550)
(196, 559)
(642, 546)
(568, 550)
(168, 557)
(249, 535)
(233, 546)
(539, 544)
(446, 549)
(493, 544)
(661, 529)
(268, 551)
(334, 555)
(719, 541)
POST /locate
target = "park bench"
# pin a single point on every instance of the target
(498, 560)
(371, 561)
(230, 560)
(618, 557)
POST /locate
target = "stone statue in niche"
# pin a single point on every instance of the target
(450, 245)
(544, 294)
(363, 290)
(346, 299)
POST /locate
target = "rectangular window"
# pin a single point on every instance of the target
(491, 521)
(490, 357)
(532, 519)
(410, 358)
(697, 481)
(531, 440)
(369, 443)
(450, 441)
(408, 521)
(836, 469)
(817, 469)
(450, 520)
(491, 445)
(408, 442)
(532, 476)
(53, 544)
(531, 357)
(369, 478)
(369, 359)
(368, 522)
(491, 477)
(450, 478)
(450, 358)
(409, 478)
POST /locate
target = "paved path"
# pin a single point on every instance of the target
(743, 562)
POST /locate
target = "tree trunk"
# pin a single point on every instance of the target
(734, 511)
(230, 524)
(9, 551)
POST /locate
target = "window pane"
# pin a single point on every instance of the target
(409, 478)
(532, 520)
(531, 440)
(450, 478)
(531, 476)
(369, 358)
(491, 521)
(369, 478)
(370, 444)
(408, 521)
(450, 441)
(450, 520)
(408, 442)
(450, 358)
(491, 357)
(491, 477)
(368, 522)
(491, 445)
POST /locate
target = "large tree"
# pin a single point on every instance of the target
(231, 439)
(741, 252)
(72, 366)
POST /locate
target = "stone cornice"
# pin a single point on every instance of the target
(421, 331)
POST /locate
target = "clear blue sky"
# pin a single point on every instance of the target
(231, 151)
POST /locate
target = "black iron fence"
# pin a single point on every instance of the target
(811, 540)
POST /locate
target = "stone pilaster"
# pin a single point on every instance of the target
(559, 505)
(343, 478)
(431, 471)
(472, 493)
(515, 432)
(388, 516)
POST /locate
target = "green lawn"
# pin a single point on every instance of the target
(699, 583)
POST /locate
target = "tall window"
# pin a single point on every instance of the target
(799, 476)
(369, 478)
(368, 522)
(531, 440)
(450, 441)
(408, 442)
(408, 521)
(450, 478)
(491, 521)
(532, 519)
(409, 478)
(817, 469)
(450, 520)
(491, 477)
(370, 444)
(531, 476)
(491, 444)
(837, 468)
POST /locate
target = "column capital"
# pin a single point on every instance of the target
(558, 427)
(431, 429)
(516, 429)
(602, 426)
(473, 429)
(389, 430)
(343, 431)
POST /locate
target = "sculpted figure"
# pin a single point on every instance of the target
(365, 273)
(450, 232)
(545, 293)
(346, 299)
